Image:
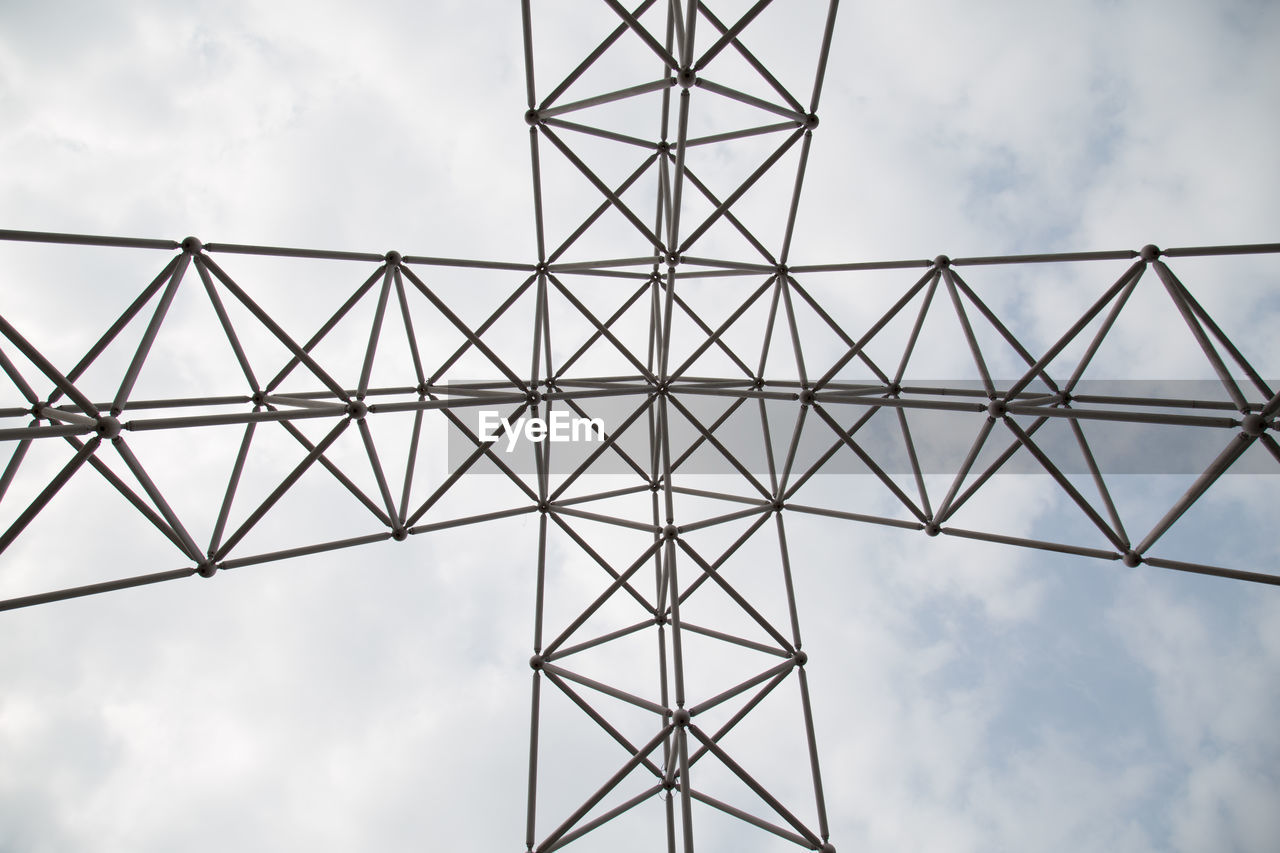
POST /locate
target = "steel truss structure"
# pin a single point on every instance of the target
(689, 575)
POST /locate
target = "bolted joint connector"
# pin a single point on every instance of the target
(108, 427)
(1253, 424)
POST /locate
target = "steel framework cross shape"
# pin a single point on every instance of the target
(722, 377)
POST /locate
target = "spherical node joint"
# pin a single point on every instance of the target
(399, 533)
(932, 529)
(531, 117)
(191, 245)
(806, 397)
(801, 658)
(108, 427)
(536, 662)
(941, 262)
(670, 532)
(810, 121)
(1253, 424)
(206, 569)
(1131, 559)
(686, 77)
(997, 408)
(356, 410)
(1149, 252)
(394, 258)
(681, 717)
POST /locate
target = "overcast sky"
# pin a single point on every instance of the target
(967, 697)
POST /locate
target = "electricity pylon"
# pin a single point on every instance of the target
(665, 296)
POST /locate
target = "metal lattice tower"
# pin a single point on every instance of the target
(728, 376)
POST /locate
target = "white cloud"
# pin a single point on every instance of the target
(1215, 687)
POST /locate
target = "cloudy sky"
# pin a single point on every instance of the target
(966, 697)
